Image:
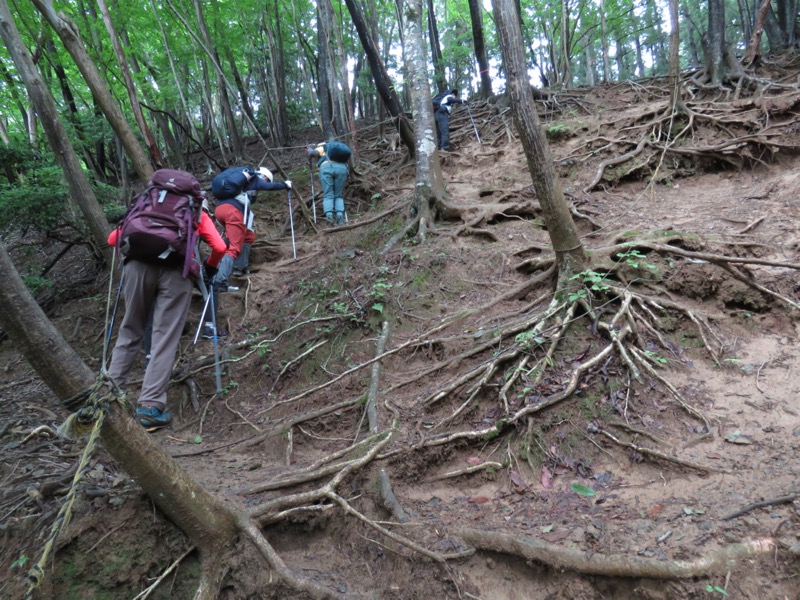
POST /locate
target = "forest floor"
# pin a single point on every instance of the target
(297, 324)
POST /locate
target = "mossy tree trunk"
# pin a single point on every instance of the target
(570, 255)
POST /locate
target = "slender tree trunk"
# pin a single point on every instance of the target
(570, 255)
(604, 43)
(70, 37)
(383, 82)
(751, 54)
(81, 193)
(715, 46)
(122, 61)
(429, 189)
(674, 55)
(324, 67)
(222, 89)
(279, 73)
(476, 18)
(775, 36)
(436, 50)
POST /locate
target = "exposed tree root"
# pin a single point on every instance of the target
(572, 559)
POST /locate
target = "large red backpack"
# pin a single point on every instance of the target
(160, 226)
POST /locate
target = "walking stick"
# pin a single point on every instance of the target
(469, 112)
(209, 295)
(291, 222)
(217, 370)
(313, 197)
(112, 319)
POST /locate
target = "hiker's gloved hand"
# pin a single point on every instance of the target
(208, 272)
(288, 184)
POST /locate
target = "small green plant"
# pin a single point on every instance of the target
(712, 589)
(557, 130)
(633, 258)
(19, 563)
(593, 280)
(528, 340)
(655, 357)
(36, 284)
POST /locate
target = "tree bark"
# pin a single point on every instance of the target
(478, 41)
(436, 50)
(127, 80)
(70, 37)
(674, 55)
(570, 255)
(429, 189)
(752, 52)
(325, 67)
(81, 193)
(383, 82)
(715, 45)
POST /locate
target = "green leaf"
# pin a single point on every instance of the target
(547, 528)
(197, 440)
(20, 562)
(582, 490)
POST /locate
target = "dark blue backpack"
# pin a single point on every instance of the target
(437, 100)
(338, 151)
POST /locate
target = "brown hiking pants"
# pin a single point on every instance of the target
(163, 290)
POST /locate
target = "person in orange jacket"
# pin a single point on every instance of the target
(160, 290)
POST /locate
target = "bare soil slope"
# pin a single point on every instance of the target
(579, 474)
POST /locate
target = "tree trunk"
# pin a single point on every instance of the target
(383, 82)
(674, 55)
(429, 189)
(222, 89)
(752, 52)
(81, 193)
(279, 73)
(476, 17)
(604, 43)
(564, 236)
(122, 61)
(70, 37)
(437, 59)
(715, 42)
(324, 67)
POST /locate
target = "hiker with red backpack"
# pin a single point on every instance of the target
(158, 238)
(442, 105)
(333, 158)
(235, 188)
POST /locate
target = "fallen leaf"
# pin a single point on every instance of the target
(474, 460)
(546, 478)
(519, 483)
(582, 490)
(547, 528)
(479, 499)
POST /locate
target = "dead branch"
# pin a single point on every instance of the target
(761, 504)
(614, 565)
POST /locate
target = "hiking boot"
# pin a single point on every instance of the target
(152, 418)
(237, 272)
(208, 332)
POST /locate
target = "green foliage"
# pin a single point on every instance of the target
(592, 280)
(711, 589)
(36, 284)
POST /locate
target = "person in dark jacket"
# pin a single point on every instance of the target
(235, 188)
(442, 117)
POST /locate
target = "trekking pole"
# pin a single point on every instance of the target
(313, 200)
(217, 370)
(291, 222)
(469, 112)
(110, 321)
